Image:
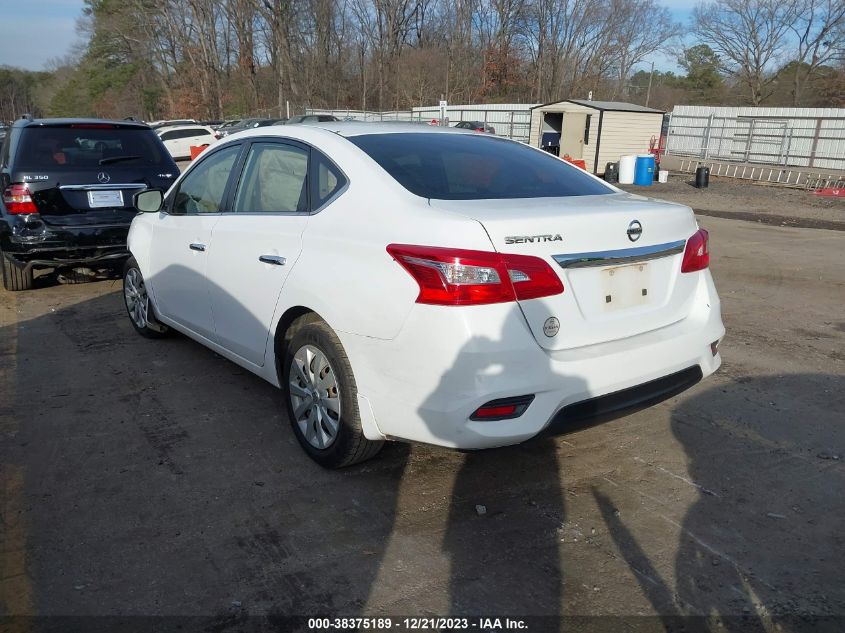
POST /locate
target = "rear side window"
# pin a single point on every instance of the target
(474, 167)
(275, 179)
(328, 180)
(80, 146)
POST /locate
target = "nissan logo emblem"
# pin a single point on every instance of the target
(635, 230)
(103, 177)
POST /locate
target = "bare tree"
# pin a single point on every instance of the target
(645, 27)
(819, 28)
(749, 35)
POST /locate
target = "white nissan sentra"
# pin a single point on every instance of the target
(406, 282)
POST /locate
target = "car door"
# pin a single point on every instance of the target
(187, 139)
(258, 243)
(199, 136)
(181, 241)
(169, 143)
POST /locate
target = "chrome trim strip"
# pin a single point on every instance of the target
(108, 187)
(620, 256)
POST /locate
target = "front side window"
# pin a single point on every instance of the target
(202, 189)
(474, 167)
(275, 179)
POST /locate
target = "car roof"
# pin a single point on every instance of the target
(66, 122)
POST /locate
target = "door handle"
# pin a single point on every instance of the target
(272, 259)
(196, 246)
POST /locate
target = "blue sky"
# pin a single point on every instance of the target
(37, 31)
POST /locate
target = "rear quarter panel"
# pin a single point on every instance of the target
(345, 273)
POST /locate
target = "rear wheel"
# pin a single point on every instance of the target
(15, 276)
(321, 398)
(138, 304)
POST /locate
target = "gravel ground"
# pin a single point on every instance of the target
(727, 197)
(144, 477)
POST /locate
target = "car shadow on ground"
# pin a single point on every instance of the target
(759, 547)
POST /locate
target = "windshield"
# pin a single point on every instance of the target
(78, 146)
(475, 167)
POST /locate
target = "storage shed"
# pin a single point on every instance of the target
(597, 132)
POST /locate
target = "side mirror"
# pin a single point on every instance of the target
(149, 201)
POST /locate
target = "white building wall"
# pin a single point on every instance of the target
(626, 133)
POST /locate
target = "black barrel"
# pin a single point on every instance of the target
(611, 172)
(702, 177)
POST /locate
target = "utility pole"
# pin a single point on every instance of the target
(648, 92)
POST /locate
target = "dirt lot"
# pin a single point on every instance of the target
(155, 478)
(728, 197)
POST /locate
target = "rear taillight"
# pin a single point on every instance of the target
(18, 199)
(452, 276)
(697, 252)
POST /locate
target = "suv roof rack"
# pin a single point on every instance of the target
(130, 118)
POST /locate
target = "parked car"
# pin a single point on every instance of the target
(476, 126)
(171, 122)
(243, 124)
(179, 139)
(228, 124)
(432, 285)
(67, 192)
(311, 118)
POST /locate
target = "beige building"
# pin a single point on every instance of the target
(598, 132)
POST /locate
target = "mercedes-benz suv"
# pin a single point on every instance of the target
(67, 192)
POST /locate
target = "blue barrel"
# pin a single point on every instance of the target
(644, 170)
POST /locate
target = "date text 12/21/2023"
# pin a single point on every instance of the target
(487, 624)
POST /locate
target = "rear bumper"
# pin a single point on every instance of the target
(69, 256)
(622, 402)
(35, 244)
(425, 384)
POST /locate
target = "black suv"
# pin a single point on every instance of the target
(68, 187)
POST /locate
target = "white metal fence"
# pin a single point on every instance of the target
(509, 120)
(785, 137)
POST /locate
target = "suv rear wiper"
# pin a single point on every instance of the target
(117, 159)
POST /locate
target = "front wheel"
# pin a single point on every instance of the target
(321, 398)
(138, 304)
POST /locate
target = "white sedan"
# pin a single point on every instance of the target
(178, 139)
(424, 284)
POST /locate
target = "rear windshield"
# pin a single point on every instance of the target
(474, 167)
(76, 147)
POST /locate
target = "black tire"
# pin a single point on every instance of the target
(349, 445)
(151, 327)
(15, 276)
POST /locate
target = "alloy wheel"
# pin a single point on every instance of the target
(135, 294)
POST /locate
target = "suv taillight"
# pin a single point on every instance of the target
(697, 252)
(456, 277)
(18, 199)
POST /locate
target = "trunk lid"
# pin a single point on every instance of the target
(614, 286)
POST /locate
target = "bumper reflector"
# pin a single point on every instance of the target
(502, 409)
